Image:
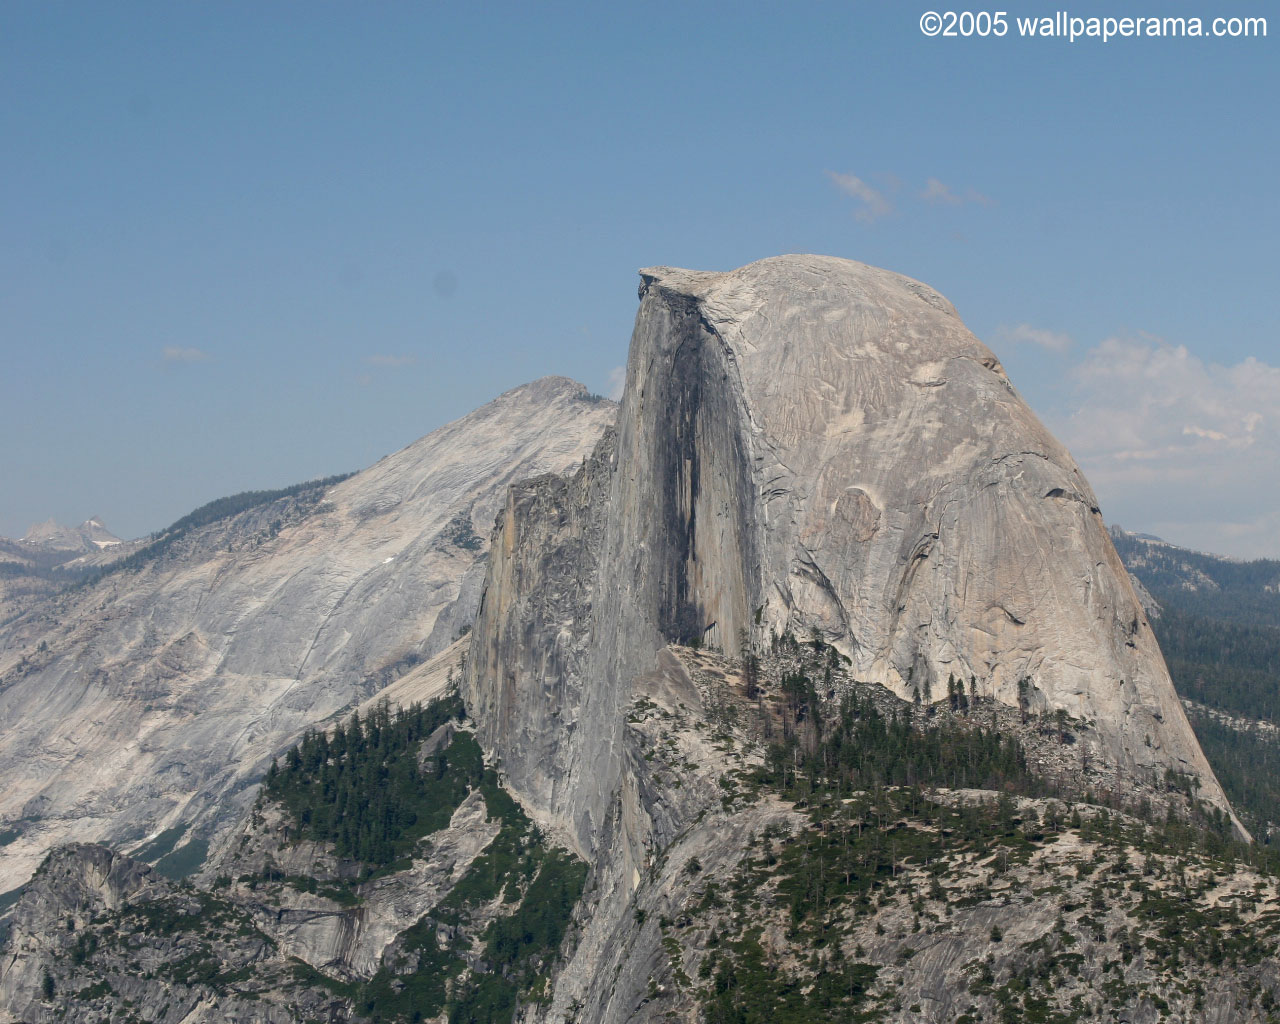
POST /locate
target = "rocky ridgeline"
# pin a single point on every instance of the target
(941, 776)
(715, 898)
(805, 444)
(150, 702)
(98, 935)
(283, 927)
(776, 893)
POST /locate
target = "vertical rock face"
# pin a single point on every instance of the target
(809, 443)
(154, 699)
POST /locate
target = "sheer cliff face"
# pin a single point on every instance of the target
(811, 443)
(159, 696)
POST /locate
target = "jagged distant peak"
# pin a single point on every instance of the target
(54, 536)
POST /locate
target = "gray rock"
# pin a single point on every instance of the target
(98, 934)
(159, 696)
(809, 443)
(1150, 606)
(90, 535)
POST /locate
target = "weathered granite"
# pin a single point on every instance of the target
(159, 696)
(809, 443)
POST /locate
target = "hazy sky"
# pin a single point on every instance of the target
(247, 244)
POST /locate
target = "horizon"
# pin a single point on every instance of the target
(249, 245)
(159, 530)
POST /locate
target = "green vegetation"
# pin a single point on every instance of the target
(879, 836)
(460, 533)
(224, 508)
(421, 991)
(862, 749)
(368, 791)
(1219, 631)
(512, 907)
(173, 863)
(748, 989)
(539, 887)
(161, 846)
(1220, 664)
(1247, 763)
(1207, 586)
(363, 790)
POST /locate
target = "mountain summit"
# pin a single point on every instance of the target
(150, 700)
(90, 535)
(813, 445)
(806, 684)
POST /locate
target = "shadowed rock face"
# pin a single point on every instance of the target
(813, 444)
(160, 695)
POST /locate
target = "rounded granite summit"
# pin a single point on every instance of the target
(809, 444)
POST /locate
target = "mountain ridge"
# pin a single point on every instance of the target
(163, 701)
(812, 688)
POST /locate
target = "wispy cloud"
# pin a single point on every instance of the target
(940, 193)
(1052, 341)
(1193, 446)
(391, 360)
(874, 204)
(175, 354)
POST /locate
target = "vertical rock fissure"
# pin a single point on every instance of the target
(708, 571)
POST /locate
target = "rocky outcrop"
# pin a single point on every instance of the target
(1001, 922)
(346, 939)
(152, 700)
(465, 920)
(1150, 606)
(161, 958)
(811, 444)
(823, 507)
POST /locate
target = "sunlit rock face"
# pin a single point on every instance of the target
(809, 443)
(160, 695)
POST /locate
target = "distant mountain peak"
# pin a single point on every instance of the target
(91, 535)
(1150, 538)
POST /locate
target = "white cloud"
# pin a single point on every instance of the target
(938, 192)
(1211, 435)
(175, 354)
(389, 360)
(1181, 447)
(1052, 341)
(874, 204)
(617, 381)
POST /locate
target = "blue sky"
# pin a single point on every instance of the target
(246, 244)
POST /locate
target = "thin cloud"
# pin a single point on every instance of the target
(1050, 341)
(874, 204)
(1209, 435)
(940, 193)
(1162, 433)
(175, 354)
(391, 360)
